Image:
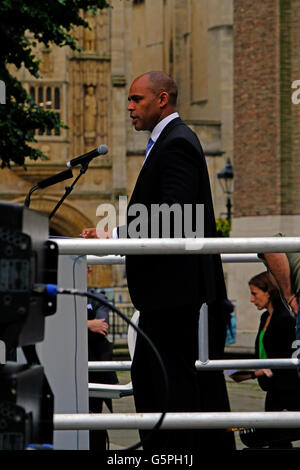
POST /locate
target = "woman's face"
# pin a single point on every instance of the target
(259, 298)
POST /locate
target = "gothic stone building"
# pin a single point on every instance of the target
(189, 39)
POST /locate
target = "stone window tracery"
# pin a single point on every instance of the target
(49, 98)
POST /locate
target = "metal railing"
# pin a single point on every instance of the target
(236, 250)
(217, 364)
(180, 246)
(205, 420)
(118, 330)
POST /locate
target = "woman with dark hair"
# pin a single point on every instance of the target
(275, 338)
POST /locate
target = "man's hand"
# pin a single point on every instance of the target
(98, 325)
(93, 232)
(89, 233)
(103, 233)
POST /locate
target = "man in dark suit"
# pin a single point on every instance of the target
(169, 290)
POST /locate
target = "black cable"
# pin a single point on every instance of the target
(139, 331)
(75, 342)
(76, 350)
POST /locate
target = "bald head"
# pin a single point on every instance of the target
(160, 81)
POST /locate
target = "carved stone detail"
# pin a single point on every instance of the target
(90, 115)
(89, 35)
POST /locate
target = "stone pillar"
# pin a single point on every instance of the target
(220, 88)
(181, 67)
(118, 112)
(118, 98)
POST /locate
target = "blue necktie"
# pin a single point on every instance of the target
(149, 145)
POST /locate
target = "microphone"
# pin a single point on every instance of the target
(87, 157)
(64, 175)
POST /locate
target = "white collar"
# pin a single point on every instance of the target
(161, 125)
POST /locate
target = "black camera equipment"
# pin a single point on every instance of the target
(27, 258)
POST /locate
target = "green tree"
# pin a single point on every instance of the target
(49, 22)
(223, 227)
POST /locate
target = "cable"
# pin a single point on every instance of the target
(75, 261)
(75, 343)
(138, 330)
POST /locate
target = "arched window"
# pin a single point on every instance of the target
(49, 98)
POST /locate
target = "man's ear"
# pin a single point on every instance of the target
(164, 99)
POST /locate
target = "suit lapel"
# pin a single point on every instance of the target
(155, 149)
(175, 122)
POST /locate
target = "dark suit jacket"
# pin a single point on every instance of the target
(278, 339)
(174, 172)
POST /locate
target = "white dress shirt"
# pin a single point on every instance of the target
(159, 128)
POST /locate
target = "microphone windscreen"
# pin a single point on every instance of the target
(102, 149)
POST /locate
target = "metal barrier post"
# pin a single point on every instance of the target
(203, 334)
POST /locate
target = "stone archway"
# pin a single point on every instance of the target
(68, 221)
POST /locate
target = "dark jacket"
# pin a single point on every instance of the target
(278, 339)
(175, 172)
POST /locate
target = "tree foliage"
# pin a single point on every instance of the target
(24, 24)
(223, 227)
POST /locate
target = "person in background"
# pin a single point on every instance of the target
(275, 337)
(99, 349)
(285, 267)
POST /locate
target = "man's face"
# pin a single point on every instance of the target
(144, 105)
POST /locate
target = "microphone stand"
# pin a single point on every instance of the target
(69, 189)
(64, 175)
(27, 200)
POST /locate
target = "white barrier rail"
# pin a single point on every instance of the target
(187, 246)
(227, 258)
(95, 366)
(222, 364)
(247, 364)
(207, 420)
